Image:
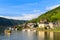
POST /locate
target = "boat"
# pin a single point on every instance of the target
(7, 31)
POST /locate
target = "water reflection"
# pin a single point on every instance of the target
(40, 35)
(56, 35)
(29, 35)
(7, 34)
(48, 35)
(51, 36)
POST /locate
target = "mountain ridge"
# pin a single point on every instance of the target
(51, 16)
(10, 22)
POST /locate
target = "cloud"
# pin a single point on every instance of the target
(20, 12)
(23, 17)
(52, 7)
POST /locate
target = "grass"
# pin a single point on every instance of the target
(56, 29)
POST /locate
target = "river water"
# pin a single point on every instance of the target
(24, 35)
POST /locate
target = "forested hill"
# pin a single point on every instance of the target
(10, 22)
(51, 16)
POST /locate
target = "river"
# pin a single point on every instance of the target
(24, 35)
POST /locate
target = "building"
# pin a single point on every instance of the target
(31, 25)
(46, 25)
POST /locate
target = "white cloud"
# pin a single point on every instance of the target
(52, 7)
(23, 17)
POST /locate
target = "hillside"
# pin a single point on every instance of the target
(10, 22)
(51, 16)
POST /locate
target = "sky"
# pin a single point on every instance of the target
(26, 9)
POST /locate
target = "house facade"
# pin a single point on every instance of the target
(31, 25)
(47, 25)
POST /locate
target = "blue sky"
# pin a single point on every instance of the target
(25, 9)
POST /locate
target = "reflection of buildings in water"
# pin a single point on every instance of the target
(30, 35)
(7, 34)
(41, 35)
(48, 36)
(51, 35)
(56, 35)
(45, 35)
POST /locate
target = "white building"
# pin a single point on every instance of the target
(42, 25)
(51, 25)
(31, 25)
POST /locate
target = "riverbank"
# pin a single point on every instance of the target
(56, 29)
